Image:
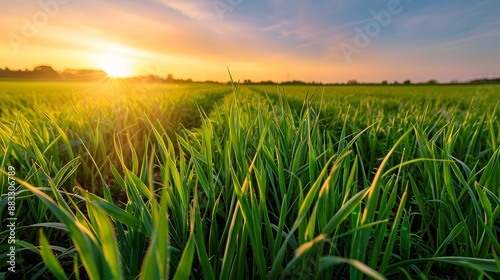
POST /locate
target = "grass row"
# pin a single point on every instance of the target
(264, 187)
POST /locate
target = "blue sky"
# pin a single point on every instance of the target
(259, 40)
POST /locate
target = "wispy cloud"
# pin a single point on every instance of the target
(196, 9)
(474, 39)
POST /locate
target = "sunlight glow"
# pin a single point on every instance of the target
(115, 65)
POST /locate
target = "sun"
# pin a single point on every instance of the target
(115, 66)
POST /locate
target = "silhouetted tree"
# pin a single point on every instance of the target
(42, 72)
(267, 83)
(83, 74)
(45, 72)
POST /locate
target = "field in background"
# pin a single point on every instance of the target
(119, 181)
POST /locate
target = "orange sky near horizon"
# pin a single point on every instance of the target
(270, 41)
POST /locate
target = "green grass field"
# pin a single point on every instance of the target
(117, 181)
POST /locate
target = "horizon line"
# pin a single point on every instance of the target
(164, 78)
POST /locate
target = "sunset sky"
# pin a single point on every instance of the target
(259, 40)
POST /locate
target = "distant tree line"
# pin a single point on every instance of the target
(409, 82)
(269, 82)
(44, 72)
(486, 81)
(47, 73)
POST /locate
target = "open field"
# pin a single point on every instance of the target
(117, 181)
